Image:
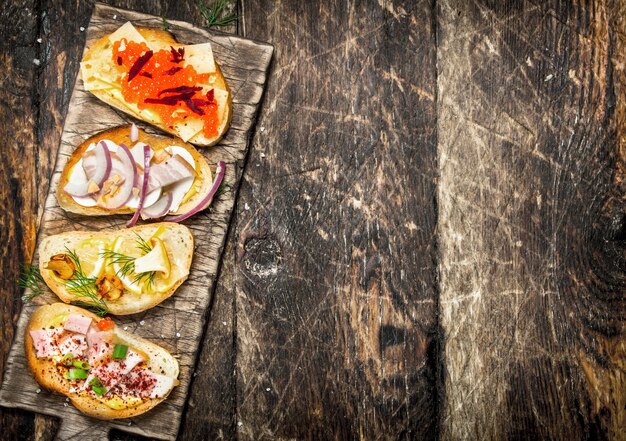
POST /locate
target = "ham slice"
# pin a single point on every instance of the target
(116, 371)
(46, 342)
(162, 385)
(77, 323)
(75, 344)
(128, 364)
(99, 346)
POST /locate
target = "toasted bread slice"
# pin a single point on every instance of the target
(100, 77)
(178, 243)
(121, 135)
(50, 376)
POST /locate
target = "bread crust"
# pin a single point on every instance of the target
(49, 377)
(179, 244)
(121, 135)
(160, 39)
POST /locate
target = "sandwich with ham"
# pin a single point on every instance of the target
(106, 373)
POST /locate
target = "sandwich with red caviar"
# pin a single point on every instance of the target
(106, 373)
(146, 73)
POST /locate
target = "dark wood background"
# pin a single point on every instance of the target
(429, 238)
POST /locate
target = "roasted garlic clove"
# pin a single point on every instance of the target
(61, 265)
(109, 286)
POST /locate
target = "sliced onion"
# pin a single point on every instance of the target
(127, 170)
(206, 201)
(159, 208)
(78, 190)
(144, 185)
(137, 152)
(101, 173)
(134, 133)
(103, 163)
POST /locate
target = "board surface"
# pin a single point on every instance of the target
(177, 323)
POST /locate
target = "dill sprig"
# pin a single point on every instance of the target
(213, 14)
(127, 263)
(85, 287)
(147, 278)
(31, 278)
(142, 244)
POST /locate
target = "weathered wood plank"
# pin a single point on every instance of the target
(18, 183)
(177, 323)
(336, 290)
(532, 283)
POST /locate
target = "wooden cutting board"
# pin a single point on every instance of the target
(177, 324)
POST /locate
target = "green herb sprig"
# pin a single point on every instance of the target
(213, 14)
(166, 25)
(85, 287)
(31, 278)
(127, 263)
(221, 190)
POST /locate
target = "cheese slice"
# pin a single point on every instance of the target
(188, 129)
(99, 70)
(200, 56)
(221, 98)
(127, 31)
(147, 114)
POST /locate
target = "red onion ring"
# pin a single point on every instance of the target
(144, 185)
(206, 201)
(129, 173)
(103, 163)
(159, 208)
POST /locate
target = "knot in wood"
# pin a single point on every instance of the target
(262, 257)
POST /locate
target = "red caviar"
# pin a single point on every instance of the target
(154, 74)
(106, 324)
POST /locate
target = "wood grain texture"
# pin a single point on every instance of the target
(336, 289)
(532, 276)
(18, 194)
(176, 324)
(328, 289)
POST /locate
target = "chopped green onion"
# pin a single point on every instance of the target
(97, 387)
(99, 390)
(82, 365)
(76, 374)
(119, 351)
(67, 360)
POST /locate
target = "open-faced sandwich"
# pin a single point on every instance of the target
(120, 272)
(106, 175)
(106, 372)
(147, 74)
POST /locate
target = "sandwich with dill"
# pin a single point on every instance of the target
(118, 272)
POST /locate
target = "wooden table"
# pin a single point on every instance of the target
(429, 235)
